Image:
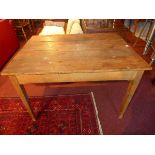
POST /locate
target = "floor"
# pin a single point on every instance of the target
(140, 116)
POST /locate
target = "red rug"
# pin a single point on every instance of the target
(56, 115)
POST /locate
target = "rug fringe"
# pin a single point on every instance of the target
(98, 120)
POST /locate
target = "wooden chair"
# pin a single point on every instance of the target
(95, 25)
(20, 26)
(101, 25)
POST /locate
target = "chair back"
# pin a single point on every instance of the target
(21, 22)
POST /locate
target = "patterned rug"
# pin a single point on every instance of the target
(56, 115)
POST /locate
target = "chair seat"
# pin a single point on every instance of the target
(51, 30)
(21, 23)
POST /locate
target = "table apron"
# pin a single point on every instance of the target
(77, 77)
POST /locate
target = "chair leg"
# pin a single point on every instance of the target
(152, 59)
(149, 31)
(29, 25)
(130, 23)
(24, 33)
(30, 28)
(135, 22)
(32, 24)
(150, 39)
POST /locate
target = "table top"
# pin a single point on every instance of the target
(74, 54)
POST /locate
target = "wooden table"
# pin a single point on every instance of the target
(75, 58)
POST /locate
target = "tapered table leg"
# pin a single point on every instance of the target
(22, 94)
(130, 92)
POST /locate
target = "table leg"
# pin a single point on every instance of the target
(22, 93)
(130, 92)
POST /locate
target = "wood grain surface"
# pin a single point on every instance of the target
(85, 53)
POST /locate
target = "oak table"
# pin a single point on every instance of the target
(75, 58)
